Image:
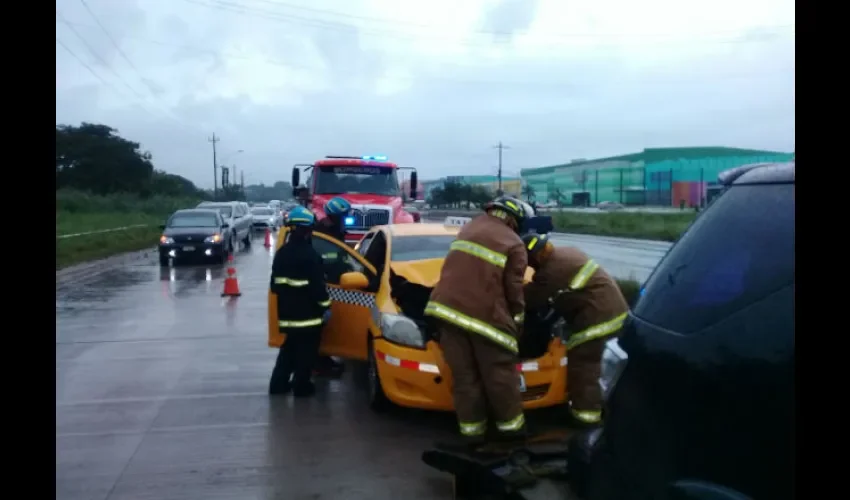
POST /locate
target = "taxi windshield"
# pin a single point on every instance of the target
(408, 248)
(357, 180)
(262, 211)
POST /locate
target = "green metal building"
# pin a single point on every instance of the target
(657, 176)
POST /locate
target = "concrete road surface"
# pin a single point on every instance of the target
(161, 394)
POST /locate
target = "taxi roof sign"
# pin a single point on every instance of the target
(374, 157)
(456, 221)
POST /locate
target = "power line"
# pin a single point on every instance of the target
(497, 82)
(109, 67)
(229, 6)
(118, 48)
(398, 22)
(91, 70)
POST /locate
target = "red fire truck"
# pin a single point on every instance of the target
(369, 183)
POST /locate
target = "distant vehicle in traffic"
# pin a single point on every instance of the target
(195, 234)
(265, 218)
(238, 217)
(609, 206)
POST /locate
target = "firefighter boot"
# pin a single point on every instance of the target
(461, 443)
(584, 420)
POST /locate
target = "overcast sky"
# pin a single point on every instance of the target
(432, 84)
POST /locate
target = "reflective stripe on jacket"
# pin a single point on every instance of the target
(586, 296)
(480, 287)
(298, 281)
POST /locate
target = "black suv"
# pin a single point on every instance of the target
(700, 388)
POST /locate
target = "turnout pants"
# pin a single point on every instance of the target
(483, 373)
(583, 371)
(296, 359)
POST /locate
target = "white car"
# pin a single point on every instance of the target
(265, 218)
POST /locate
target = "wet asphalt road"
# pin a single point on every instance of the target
(621, 257)
(161, 394)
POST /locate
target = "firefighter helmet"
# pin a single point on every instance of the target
(300, 217)
(337, 206)
(534, 243)
(514, 207)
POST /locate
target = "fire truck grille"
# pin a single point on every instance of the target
(370, 217)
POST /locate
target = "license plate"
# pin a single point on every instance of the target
(522, 386)
(188, 249)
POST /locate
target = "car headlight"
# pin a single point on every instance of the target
(165, 240)
(216, 238)
(614, 360)
(402, 330)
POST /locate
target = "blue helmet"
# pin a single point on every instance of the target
(300, 216)
(337, 206)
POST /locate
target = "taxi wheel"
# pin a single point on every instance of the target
(378, 400)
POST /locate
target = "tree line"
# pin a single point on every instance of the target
(94, 158)
(459, 194)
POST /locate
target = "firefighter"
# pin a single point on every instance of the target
(303, 306)
(480, 307)
(593, 307)
(333, 225)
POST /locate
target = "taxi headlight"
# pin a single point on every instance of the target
(213, 239)
(165, 240)
(402, 330)
(614, 360)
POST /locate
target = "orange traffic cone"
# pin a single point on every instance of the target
(231, 285)
(268, 243)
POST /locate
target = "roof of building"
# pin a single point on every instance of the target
(651, 155)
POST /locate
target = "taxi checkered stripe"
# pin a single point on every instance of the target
(354, 297)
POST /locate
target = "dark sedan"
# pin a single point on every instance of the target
(194, 234)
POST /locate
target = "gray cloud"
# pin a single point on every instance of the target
(426, 88)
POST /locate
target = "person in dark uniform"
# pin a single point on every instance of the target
(333, 225)
(303, 306)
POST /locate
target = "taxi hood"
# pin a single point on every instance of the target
(427, 272)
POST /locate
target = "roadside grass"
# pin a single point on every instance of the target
(72, 201)
(70, 251)
(73, 223)
(649, 226)
(81, 212)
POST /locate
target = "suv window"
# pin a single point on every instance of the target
(737, 253)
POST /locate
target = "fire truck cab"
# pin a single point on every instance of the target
(369, 183)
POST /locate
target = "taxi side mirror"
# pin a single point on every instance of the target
(353, 281)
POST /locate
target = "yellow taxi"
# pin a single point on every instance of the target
(379, 290)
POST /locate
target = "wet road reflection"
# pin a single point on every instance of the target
(161, 394)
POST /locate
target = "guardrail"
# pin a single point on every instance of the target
(74, 235)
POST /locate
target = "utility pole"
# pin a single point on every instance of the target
(214, 140)
(500, 147)
(242, 182)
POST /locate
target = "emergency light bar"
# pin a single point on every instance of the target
(349, 221)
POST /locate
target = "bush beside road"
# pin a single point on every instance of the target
(640, 225)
